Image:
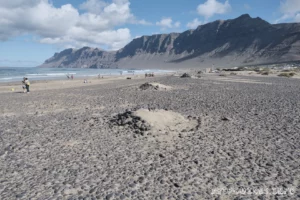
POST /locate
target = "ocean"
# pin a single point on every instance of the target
(12, 74)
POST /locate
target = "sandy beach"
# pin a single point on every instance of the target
(233, 137)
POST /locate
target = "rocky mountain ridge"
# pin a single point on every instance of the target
(235, 42)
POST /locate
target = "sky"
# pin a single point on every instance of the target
(31, 31)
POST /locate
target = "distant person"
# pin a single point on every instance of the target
(84, 81)
(23, 85)
(98, 76)
(27, 84)
(72, 77)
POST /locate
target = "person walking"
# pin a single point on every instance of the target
(27, 84)
(24, 85)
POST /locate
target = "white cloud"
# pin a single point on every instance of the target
(297, 18)
(81, 37)
(177, 24)
(212, 7)
(167, 22)
(93, 6)
(94, 26)
(290, 10)
(247, 6)
(142, 22)
(18, 3)
(290, 6)
(194, 24)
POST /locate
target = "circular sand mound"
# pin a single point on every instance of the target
(163, 120)
(161, 86)
(154, 86)
(155, 122)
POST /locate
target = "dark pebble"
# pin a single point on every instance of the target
(109, 196)
(176, 185)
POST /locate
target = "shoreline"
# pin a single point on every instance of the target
(38, 85)
(10, 75)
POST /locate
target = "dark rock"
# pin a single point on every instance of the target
(148, 86)
(141, 179)
(92, 190)
(176, 185)
(19, 196)
(128, 120)
(185, 75)
(161, 155)
(109, 196)
(224, 119)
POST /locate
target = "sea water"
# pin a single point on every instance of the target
(12, 74)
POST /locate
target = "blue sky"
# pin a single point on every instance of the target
(33, 30)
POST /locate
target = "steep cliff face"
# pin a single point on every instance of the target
(148, 44)
(85, 57)
(239, 41)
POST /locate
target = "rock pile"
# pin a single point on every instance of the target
(185, 75)
(148, 86)
(129, 120)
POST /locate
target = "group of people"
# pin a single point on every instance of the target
(70, 77)
(25, 85)
(149, 75)
(99, 76)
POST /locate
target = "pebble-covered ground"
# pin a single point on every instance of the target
(62, 144)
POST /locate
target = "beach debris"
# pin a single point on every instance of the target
(185, 75)
(128, 78)
(147, 86)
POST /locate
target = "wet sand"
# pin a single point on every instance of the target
(199, 138)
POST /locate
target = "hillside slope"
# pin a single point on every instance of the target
(236, 42)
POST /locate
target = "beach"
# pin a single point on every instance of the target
(204, 137)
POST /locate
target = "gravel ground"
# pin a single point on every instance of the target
(61, 144)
